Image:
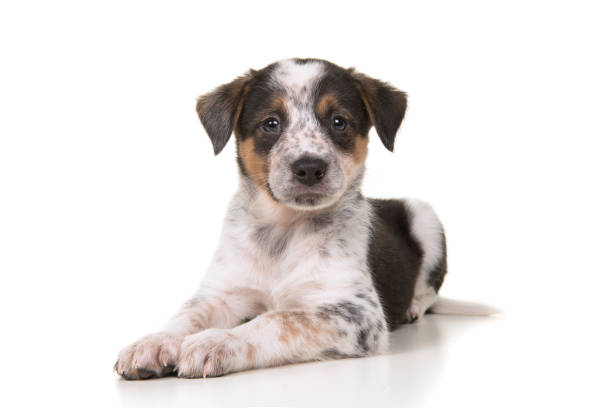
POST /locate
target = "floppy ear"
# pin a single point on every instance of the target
(385, 104)
(219, 110)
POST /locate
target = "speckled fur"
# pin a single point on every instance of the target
(287, 283)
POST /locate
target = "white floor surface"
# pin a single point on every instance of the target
(442, 361)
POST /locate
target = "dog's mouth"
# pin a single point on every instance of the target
(308, 199)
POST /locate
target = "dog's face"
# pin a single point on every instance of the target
(302, 127)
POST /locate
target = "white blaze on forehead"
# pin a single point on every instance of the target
(301, 133)
(294, 76)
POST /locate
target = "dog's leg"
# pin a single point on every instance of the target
(427, 230)
(421, 302)
(156, 354)
(348, 328)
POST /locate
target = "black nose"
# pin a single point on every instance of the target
(309, 170)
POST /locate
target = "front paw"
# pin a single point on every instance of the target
(210, 353)
(154, 355)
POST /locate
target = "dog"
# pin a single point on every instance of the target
(306, 268)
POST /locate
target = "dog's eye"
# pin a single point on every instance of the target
(338, 124)
(271, 125)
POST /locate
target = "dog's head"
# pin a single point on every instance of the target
(302, 127)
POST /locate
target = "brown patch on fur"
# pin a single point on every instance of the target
(196, 323)
(326, 103)
(216, 360)
(360, 151)
(245, 90)
(255, 165)
(288, 328)
(199, 316)
(296, 326)
(279, 104)
(365, 102)
(329, 103)
(250, 353)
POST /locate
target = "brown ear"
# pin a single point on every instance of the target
(385, 104)
(219, 110)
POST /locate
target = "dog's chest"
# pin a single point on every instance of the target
(296, 263)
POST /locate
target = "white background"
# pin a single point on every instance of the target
(111, 199)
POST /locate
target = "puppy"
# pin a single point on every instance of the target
(306, 268)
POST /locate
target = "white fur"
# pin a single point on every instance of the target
(427, 230)
(240, 260)
(294, 76)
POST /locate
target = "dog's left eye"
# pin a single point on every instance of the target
(338, 123)
(271, 125)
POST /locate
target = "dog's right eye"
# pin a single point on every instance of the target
(339, 124)
(271, 125)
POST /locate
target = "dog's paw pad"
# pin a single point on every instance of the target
(144, 373)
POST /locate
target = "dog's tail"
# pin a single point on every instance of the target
(447, 306)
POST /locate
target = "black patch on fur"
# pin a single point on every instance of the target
(387, 105)
(361, 322)
(394, 258)
(335, 354)
(376, 336)
(275, 242)
(302, 61)
(219, 109)
(367, 298)
(259, 105)
(340, 83)
(349, 311)
(362, 339)
(321, 221)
